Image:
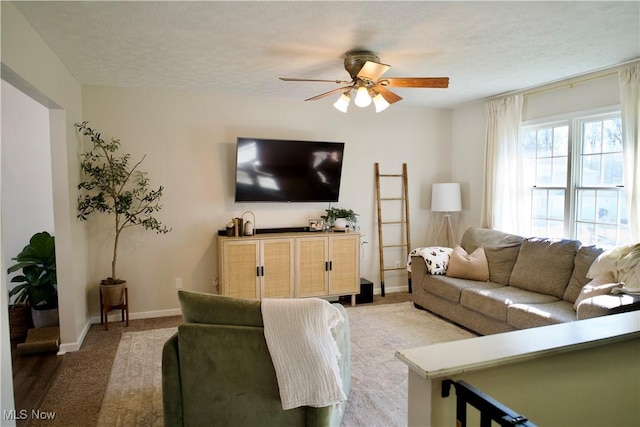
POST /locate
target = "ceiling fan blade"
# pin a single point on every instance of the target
(389, 96)
(291, 79)
(372, 70)
(331, 92)
(426, 82)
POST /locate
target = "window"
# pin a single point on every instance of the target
(572, 171)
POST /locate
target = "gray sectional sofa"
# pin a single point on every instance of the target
(532, 282)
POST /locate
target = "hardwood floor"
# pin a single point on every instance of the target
(32, 377)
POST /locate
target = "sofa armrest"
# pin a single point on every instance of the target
(171, 389)
(602, 305)
(418, 266)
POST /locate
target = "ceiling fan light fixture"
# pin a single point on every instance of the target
(342, 104)
(380, 103)
(363, 99)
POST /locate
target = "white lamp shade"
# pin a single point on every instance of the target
(445, 197)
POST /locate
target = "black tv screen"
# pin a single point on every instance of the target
(273, 170)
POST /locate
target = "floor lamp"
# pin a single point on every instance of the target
(445, 197)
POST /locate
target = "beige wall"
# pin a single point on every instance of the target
(189, 139)
(29, 65)
(596, 386)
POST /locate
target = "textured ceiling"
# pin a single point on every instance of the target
(238, 47)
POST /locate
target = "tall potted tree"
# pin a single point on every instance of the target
(37, 286)
(114, 186)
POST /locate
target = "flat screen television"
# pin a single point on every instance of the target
(274, 170)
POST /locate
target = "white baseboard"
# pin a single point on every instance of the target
(75, 346)
(116, 316)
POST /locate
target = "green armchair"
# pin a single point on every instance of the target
(217, 370)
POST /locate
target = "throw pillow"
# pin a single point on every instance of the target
(436, 258)
(472, 266)
(629, 271)
(608, 260)
(601, 285)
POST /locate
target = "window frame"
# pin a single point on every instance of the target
(574, 121)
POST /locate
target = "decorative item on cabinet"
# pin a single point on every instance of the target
(237, 227)
(249, 227)
(316, 224)
(341, 219)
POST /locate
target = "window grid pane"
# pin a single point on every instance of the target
(596, 214)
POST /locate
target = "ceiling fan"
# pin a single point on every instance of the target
(366, 72)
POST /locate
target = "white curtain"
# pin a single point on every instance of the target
(502, 164)
(630, 113)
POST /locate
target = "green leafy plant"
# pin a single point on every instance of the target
(333, 213)
(114, 186)
(37, 285)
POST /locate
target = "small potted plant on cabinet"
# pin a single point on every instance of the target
(37, 286)
(114, 186)
(340, 218)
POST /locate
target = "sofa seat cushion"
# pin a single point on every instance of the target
(602, 305)
(450, 288)
(501, 250)
(495, 302)
(523, 316)
(544, 265)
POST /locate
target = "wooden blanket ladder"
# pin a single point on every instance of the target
(386, 227)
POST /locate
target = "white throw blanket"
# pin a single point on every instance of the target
(304, 353)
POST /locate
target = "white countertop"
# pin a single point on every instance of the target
(446, 359)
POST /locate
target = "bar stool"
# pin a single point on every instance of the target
(106, 308)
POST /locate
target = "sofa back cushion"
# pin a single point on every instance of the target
(198, 307)
(227, 378)
(584, 258)
(544, 265)
(501, 250)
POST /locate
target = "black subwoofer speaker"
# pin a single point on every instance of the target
(366, 292)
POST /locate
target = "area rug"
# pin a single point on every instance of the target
(378, 394)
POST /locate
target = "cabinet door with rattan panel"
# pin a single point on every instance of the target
(311, 266)
(239, 264)
(344, 256)
(277, 268)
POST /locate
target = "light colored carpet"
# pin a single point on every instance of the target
(378, 394)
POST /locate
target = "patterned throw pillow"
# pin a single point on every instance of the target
(436, 258)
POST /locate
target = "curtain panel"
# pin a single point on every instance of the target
(630, 114)
(501, 196)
